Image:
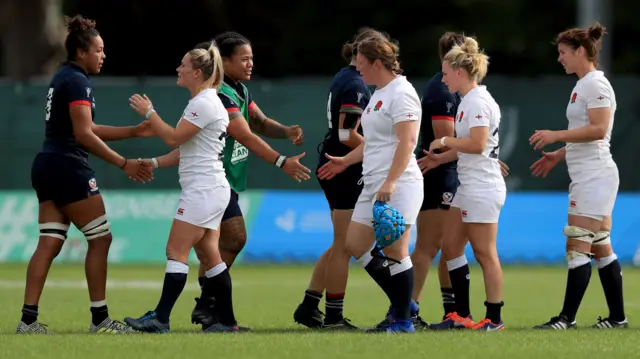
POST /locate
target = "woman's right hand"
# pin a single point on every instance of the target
(429, 161)
(296, 170)
(138, 170)
(543, 166)
(330, 169)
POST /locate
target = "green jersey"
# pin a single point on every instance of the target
(236, 156)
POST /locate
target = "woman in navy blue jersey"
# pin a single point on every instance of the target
(66, 185)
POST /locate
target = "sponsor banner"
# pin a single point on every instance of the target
(295, 226)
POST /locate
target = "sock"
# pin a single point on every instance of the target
(99, 312)
(378, 269)
(311, 299)
(460, 281)
(175, 278)
(29, 314)
(611, 278)
(218, 285)
(201, 282)
(493, 312)
(333, 304)
(401, 287)
(577, 283)
(448, 300)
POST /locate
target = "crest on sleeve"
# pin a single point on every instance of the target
(88, 92)
(360, 96)
(449, 106)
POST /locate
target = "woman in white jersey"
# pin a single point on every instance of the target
(391, 124)
(200, 138)
(482, 190)
(594, 178)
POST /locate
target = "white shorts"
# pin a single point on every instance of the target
(480, 207)
(593, 193)
(407, 199)
(203, 207)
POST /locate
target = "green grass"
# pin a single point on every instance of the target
(265, 298)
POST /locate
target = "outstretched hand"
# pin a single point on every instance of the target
(296, 170)
(330, 169)
(139, 170)
(295, 134)
(140, 104)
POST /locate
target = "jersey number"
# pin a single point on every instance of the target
(329, 111)
(47, 108)
(496, 150)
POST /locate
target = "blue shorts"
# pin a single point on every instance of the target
(233, 209)
(440, 186)
(62, 179)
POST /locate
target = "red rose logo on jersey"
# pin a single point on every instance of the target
(378, 105)
(574, 97)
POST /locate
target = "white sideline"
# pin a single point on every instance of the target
(112, 284)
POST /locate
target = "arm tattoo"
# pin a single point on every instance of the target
(264, 125)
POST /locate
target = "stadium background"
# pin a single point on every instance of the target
(297, 50)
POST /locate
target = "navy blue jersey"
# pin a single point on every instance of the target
(69, 87)
(348, 94)
(438, 104)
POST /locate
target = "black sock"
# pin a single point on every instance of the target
(448, 300)
(493, 312)
(577, 283)
(611, 279)
(311, 299)
(460, 282)
(29, 314)
(334, 304)
(175, 278)
(378, 269)
(218, 285)
(402, 287)
(99, 314)
(201, 282)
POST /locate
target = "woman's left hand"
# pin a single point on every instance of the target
(385, 191)
(140, 104)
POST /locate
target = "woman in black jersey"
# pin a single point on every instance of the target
(64, 182)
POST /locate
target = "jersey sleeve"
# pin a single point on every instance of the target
(80, 90)
(478, 115)
(228, 104)
(597, 94)
(405, 107)
(200, 113)
(440, 107)
(353, 99)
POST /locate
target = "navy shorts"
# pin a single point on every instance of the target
(343, 190)
(62, 179)
(233, 208)
(440, 187)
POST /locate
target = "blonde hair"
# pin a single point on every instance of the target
(469, 57)
(210, 62)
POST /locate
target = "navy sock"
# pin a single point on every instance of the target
(611, 279)
(577, 282)
(218, 285)
(311, 299)
(175, 278)
(29, 314)
(460, 283)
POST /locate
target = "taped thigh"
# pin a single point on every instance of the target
(579, 234)
(602, 238)
(97, 228)
(53, 229)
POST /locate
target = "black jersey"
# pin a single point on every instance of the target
(69, 87)
(347, 94)
(438, 104)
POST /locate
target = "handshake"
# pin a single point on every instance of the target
(140, 170)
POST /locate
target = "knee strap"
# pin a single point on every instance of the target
(602, 238)
(579, 234)
(53, 229)
(97, 228)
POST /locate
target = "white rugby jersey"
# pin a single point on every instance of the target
(591, 91)
(201, 156)
(397, 102)
(479, 172)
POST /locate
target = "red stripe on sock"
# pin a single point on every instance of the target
(335, 295)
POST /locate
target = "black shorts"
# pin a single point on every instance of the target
(233, 208)
(62, 179)
(440, 187)
(343, 190)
